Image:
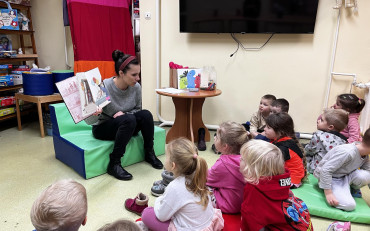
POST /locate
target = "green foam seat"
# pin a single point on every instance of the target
(315, 200)
(75, 145)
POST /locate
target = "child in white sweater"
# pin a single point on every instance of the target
(345, 166)
(186, 203)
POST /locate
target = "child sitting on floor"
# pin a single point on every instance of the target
(280, 130)
(352, 104)
(224, 178)
(328, 136)
(186, 203)
(280, 105)
(61, 206)
(268, 202)
(277, 106)
(257, 122)
(345, 166)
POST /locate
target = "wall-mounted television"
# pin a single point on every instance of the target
(248, 16)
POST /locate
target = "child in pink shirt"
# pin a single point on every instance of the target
(224, 178)
(352, 104)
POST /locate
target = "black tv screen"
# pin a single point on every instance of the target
(248, 16)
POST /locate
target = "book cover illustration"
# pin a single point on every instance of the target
(188, 78)
(83, 93)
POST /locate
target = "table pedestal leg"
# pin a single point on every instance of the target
(183, 124)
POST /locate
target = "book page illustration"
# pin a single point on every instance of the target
(88, 105)
(71, 95)
(83, 93)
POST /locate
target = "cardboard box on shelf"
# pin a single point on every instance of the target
(7, 111)
(6, 80)
(6, 101)
(17, 79)
(9, 19)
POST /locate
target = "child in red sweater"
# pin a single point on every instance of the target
(268, 202)
(280, 130)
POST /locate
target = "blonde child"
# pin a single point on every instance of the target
(268, 203)
(186, 204)
(62, 206)
(121, 225)
(280, 130)
(344, 166)
(328, 136)
(257, 122)
(224, 178)
(352, 104)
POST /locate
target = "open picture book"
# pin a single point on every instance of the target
(83, 94)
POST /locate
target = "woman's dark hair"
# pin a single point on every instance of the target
(351, 103)
(119, 57)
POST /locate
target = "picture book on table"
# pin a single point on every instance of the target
(83, 93)
(188, 78)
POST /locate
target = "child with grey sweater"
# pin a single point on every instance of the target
(345, 166)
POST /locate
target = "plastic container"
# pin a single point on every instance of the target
(38, 83)
(59, 75)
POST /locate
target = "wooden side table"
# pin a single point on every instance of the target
(38, 100)
(188, 116)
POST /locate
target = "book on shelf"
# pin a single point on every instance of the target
(83, 94)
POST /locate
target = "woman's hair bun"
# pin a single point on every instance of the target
(116, 55)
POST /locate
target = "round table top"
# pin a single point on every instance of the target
(191, 94)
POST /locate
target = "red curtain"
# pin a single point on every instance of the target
(98, 27)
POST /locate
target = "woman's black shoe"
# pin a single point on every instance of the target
(151, 158)
(115, 169)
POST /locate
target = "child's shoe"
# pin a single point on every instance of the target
(214, 149)
(167, 177)
(158, 189)
(339, 226)
(138, 204)
(356, 193)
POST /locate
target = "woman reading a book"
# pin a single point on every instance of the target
(123, 117)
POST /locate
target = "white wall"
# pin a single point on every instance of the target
(47, 18)
(295, 67)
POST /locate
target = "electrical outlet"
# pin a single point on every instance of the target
(148, 15)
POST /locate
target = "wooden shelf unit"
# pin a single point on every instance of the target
(26, 56)
(9, 88)
(29, 52)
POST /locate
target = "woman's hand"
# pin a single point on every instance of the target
(118, 114)
(330, 198)
(98, 111)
